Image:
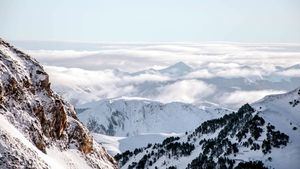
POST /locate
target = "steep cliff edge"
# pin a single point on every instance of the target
(38, 129)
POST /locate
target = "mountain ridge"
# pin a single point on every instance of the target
(127, 117)
(255, 136)
(44, 128)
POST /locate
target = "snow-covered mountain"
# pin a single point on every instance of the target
(38, 129)
(262, 135)
(127, 123)
(131, 117)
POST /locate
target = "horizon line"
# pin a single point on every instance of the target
(153, 42)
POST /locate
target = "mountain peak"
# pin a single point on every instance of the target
(296, 66)
(179, 68)
(181, 65)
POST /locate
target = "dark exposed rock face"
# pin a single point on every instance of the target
(43, 117)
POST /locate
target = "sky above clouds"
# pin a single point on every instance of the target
(151, 20)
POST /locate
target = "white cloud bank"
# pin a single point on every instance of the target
(86, 75)
(188, 91)
(82, 86)
(135, 57)
(238, 98)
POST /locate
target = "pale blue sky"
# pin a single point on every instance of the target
(151, 20)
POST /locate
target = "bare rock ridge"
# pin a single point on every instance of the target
(40, 115)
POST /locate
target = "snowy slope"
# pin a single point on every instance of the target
(131, 117)
(284, 105)
(38, 128)
(115, 145)
(283, 111)
(265, 134)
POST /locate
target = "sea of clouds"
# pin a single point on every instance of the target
(229, 74)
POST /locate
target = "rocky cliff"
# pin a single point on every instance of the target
(38, 128)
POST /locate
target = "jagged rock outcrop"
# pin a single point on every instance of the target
(29, 105)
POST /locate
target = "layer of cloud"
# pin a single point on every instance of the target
(136, 57)
(108, 71)
(238, 98)
(82, 86)
(188, 91)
